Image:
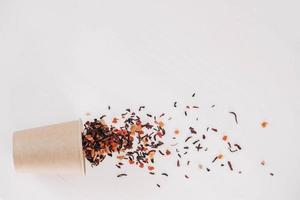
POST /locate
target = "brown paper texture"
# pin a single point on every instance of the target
(54, 149)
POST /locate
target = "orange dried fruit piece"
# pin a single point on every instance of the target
(89, 137)
(168, 152)
(151, 154)
(133, 128)
(131, 162)
(120, 157)
(264, 124)
(220, 156)
(224, 137)
(139, 128)
(177, 132)
(161, 124)
(150, 168)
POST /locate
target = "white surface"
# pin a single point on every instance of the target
(60, 59)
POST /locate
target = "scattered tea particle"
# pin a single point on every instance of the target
(240, 172)
(197, 119)
(215, 159)
(185, 153)
(169, 118)
(213, 106)
(174, 144)
(164, 174)
(222, 165)
(158, 185)
(198, 147)
(185, 113)
(186, 176)
(188, 138)
(230, 148)
(141, 107)
(203, 137)
(196, 142)
(168, 152)
(235, 117)
(263, 162)
(118, 166)
(120, 175)
(193, 94)
(178, 163)
(207, 128)
(214, 129)
(186, 147)
(229, 165)
(123, 115)
(188, 107)
(188, 162)
(161, 152)
(88, 114)
(151, 168)
(179, 155)
(200, 166)
(195, 106)
(163, 114)
(224, 137)
(192, 130)
(152, 173)
(102, 116)
(207, 169)
(271, 174)
(264, 124)
(175, 104)
(149, 115)
(108, 107)
(237, 146)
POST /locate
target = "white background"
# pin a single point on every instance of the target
(60, 59)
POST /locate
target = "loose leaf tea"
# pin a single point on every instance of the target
(100, 140)
(136, 138)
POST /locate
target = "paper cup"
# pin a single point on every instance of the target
(54, 149)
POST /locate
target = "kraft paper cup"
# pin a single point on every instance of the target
(53, 149)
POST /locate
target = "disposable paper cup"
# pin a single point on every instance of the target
(54, 149)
